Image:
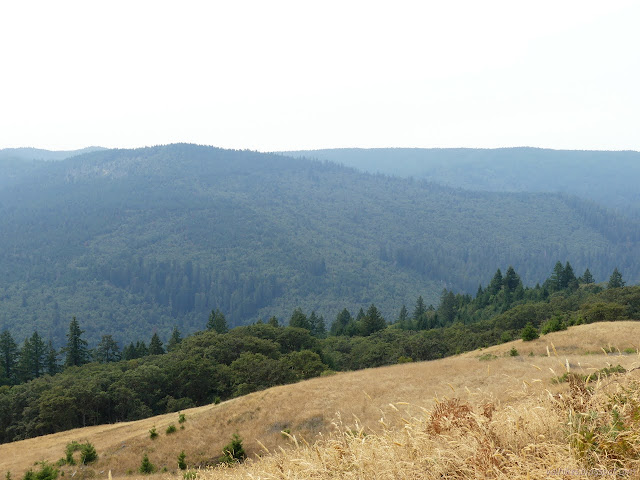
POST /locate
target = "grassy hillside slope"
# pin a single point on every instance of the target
(332, 408)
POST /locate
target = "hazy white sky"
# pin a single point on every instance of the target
(277, 75)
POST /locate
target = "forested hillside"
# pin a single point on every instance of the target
(137, 241)
(608, 178)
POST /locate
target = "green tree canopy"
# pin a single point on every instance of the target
(615, 281)
(76, 350)
(155, 346)
(217, 322)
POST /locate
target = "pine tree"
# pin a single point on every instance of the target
(217, 322)
(615, 281)
(155, 346)
(569, 279)
(339, 326)
(448, 306)
(403, 317)
(318, 328)
(273, 321)
(107, 350)
(234, 451)
(299, 320)
(496, 283)
(511, 280)
(51, 359)
(587, 278)
(76, 349)
(419, 310)
(373, 321)
(174, 340)
(8, 356)
(32, 358)
(557, 277)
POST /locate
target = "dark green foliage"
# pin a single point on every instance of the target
(88, 453)
(587, 278)
(233, 452)
(51, 359)
(32, 358)
(46, 472)
(511, 280)
(182, 464)
(341, 323)
(153, 434)
(513, 352)
(107, 350)
(76, 350)
(317, 326)
(174, 340)
(146, 466)
(217, 322)
(8, 356)
(182, 418)
(554, 324)
(171, 429)
(372, 322)
(529, 332)
(615, 281)
(273, 321)
(155, 345)
(299, 320)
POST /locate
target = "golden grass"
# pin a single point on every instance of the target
(327, 409)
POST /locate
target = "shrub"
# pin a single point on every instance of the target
(146, 466)
(88, 453)
(69, 450)
(555, 324)
(403, 359)
(234, 451)
(153, 434)
(529, 333)
(171, 429)
(182, 465)
(513, 352)
(182, 418)
(46, 472)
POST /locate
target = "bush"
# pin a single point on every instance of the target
(69, 450)
(171, 429)
(234, 451)
(153, 434)
(513, 352)
(529, 333)
(46, 472)
(554, 325)
(146, 466)
(88, 453)
(182, 465)
(182, 418)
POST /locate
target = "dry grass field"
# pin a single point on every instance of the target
(482, 414)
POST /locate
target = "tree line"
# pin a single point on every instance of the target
(106, 384)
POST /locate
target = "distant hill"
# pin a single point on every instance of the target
(134, 241)
(608, 178)
(45, 155)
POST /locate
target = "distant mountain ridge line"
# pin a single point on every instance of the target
(164, 234)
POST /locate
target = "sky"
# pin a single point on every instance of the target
(286, 75)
